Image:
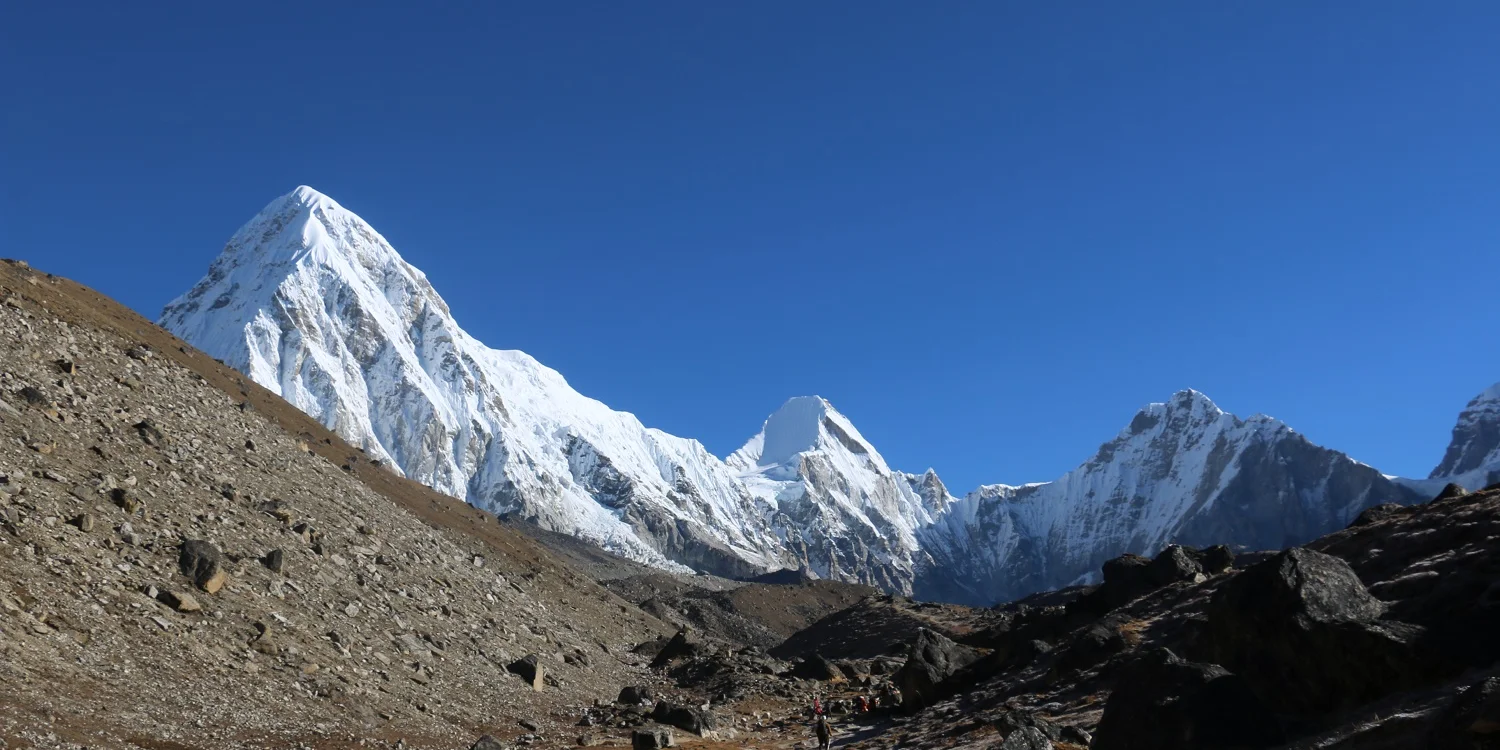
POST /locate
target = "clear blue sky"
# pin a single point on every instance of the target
(988, 231)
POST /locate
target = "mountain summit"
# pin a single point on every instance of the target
(1473, 457)
(312, 303)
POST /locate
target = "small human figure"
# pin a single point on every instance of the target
(825, 732)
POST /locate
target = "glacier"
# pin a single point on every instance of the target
(311, 302)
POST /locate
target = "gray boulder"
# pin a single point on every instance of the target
(931, 659)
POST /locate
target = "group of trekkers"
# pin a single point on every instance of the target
(885, 700)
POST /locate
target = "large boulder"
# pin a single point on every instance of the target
(682, 645)
(1129, 577)
(1213, 560)
(817, 668)
(1091, 646)
(931, 659)
(530, 669)
(635, 695)
(651, 739)
(1306, 635)
(201, 561)
(689, 719)
(1161, 701)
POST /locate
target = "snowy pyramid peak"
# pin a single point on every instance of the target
(803, 424)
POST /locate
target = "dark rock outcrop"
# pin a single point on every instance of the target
(687, 718)
(1303, 631)
(931, 659)
(651, 739)
(816, 668)
(635, 695)
(682, 646)
(1161, 701)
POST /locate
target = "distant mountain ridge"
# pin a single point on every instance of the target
(311, 302)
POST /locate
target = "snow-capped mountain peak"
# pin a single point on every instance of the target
(801, 425)
(314, 304)
(311, 302)
(836, 496)
(1473, 456)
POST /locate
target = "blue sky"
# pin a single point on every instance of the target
(987, 231)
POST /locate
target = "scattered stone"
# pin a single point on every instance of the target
(530, 669)
(179, 600)
(83, 521)
(529, 725)
(487, 742)
(200, 561)
(150, 433)
(124, 500)
(275, 561)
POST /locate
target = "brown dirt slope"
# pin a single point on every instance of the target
(391, 615)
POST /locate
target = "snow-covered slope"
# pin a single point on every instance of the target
(843, 512)
(1473, 456)
(1182, 472)
(314, 304)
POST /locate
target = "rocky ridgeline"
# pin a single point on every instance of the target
(174, 566)
(1382, 635)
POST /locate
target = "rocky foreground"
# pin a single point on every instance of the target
(188, 562)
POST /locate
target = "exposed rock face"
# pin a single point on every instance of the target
(1162, 701)
(932, 659)
(1473, 456)
(1305, 633)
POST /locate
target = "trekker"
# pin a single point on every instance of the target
(825, 733)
